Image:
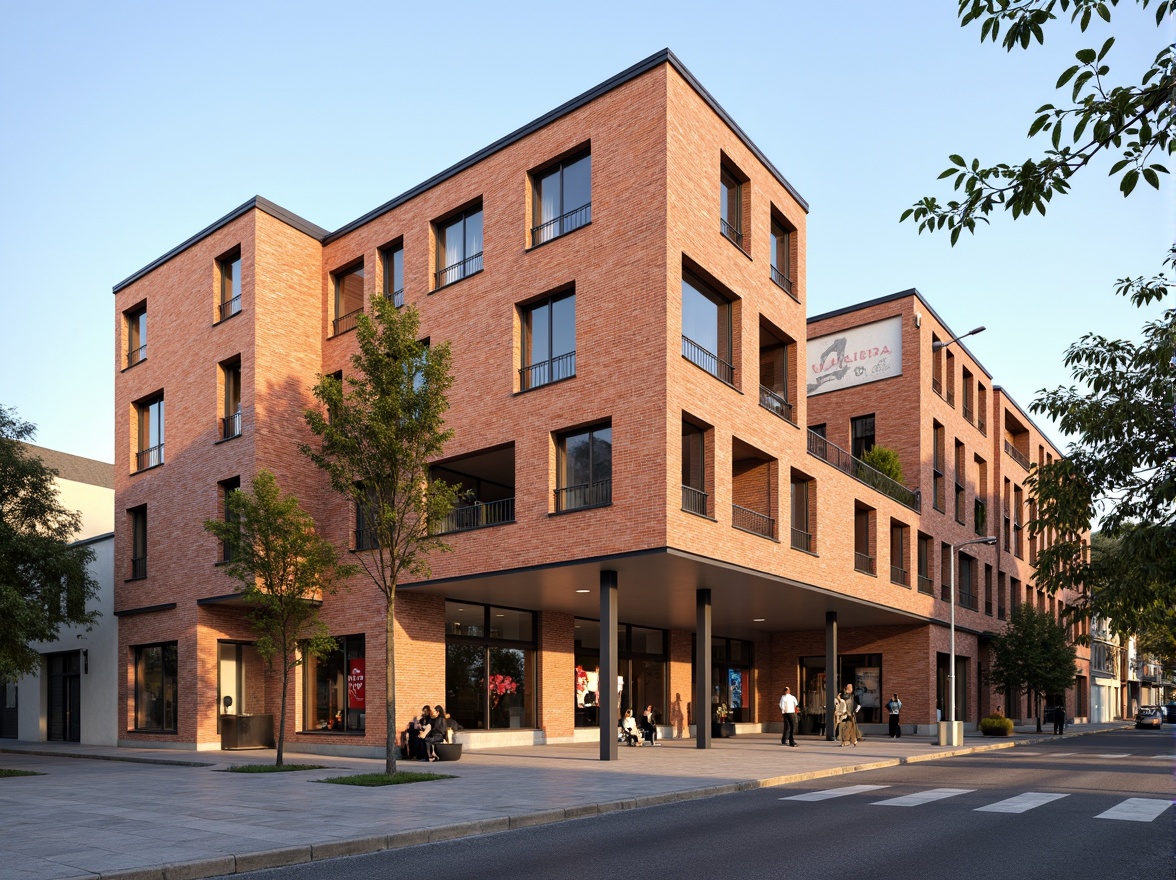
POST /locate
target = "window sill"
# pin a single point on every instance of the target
(578, 509)
(132, 366)
(341, 333)
(458, 281)
(226, 439)
(705, 516)
(132, 580)
(730, 385)
(756, 534)
(229, 318)
(545, 385)
(872, 574)
(795, 298)
(813, 553)
(900, 584)
(562, 235)
(736, 244)
(144, 470)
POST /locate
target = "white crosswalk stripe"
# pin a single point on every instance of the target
(922, 797)
(1136, 810)
(1021, 803)
(833, 793)
(1113, 756)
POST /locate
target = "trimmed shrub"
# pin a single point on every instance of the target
(996, 725)
(885, 461)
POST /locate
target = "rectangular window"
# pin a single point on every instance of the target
(365, 532)
(335, 697)
(348, 299)
(863, 540)
(490, 668)
(781, 245)
(584, 469)
(231, 420)
(802, 504)
(549, 341)
(392, 257)
(228, 271)
(965, 582)
(225, 489)
(979, 503)
(150, 424)
(136, 320)
(988, 589)
(694, 494)
(777, 366)
(459, 247)
(949, 377)
(936, 365)
(969, 412)
(899, 550)
(1000, 595)
(945, 572)
(138, 541)
(562, 200)
(731, 206)
(960, 498)
(1018, 527)
(938, 482)
(706, 329)
(155, 688)
(926, 549)
(981, 408)
(862, 432)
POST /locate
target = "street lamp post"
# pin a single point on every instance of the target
(938, 345)
(949, 734)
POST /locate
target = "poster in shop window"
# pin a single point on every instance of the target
(355, 683)
(855, 356)
(867, 686)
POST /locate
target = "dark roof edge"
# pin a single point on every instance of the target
(665, 56)
(1044, 436)
(93, 539)
(262, 204)
(902, 294)
(146, 609)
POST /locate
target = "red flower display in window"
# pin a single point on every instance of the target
(500, 686)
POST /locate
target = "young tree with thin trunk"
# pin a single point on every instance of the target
(1032, 655)
(379, 431)
(284, 568)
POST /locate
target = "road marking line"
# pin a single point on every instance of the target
(833, 793)
(1020, 803)
(923, 797)
(1136, 810)
(1028, 754)
(1061, 754)
(1113, 756)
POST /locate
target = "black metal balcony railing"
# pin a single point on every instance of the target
(774, 403)
(980, 516)
(345, 322)
(899, 575)
(753, 521)
(231, 426)
(230, 307)
(802, 540)
(694, 500)
(829, 452)
(459, 270)
(546, 372)
(988, 607)
(731, 233)
(135, 355)
(945, 592)
(397, 297)
(782, 281)
(562, 225)
(981, 424)
(138, 567)
(969, 600)
(149, 458)
(365, 539)
(968, 411)
(712, 363)
(595, 494)
(950, 397)
(1016, 455)
(478, 516)
(926, 585)
(864, 562)
(937, 385)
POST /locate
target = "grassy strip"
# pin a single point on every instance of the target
(272, 768)
(375, 779)
(6, 773)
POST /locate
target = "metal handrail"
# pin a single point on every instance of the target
(1016, 455)
(801, 540)
(548, 371)
(694, 500)
(479, 515)
(230, 307)
(864, 562)
(138, 567)
(823, 449)
(774, 403)
(365, 539)
(926, 585)
(937, 385)
(782, 280)
(459, 270)
(231, 426)
(562, 225)
(969, 600)
(137, 355)
(899, 575)
(708, 361)
(397, 297)
(731, 233)
(346, 322)
(583, 495)
(149, 457)
(753, 521)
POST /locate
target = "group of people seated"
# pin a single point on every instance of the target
(434, 725)
(636, 734)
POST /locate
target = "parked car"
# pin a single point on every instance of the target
(1149, 716)
(1170, 713)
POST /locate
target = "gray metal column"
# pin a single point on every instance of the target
(702, 671)
(831, 684)
(606, 696)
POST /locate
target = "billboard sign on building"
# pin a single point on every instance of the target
(855, 356)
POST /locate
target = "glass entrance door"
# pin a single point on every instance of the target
(64, 716)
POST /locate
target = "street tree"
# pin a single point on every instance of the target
(378, 433)
(1032, 656)
(44, 580)
(284, 568)
(1120, 413)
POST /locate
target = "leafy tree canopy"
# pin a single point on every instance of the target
(44, 581)
(1032, 654)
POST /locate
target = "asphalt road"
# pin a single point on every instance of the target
(1087, 807)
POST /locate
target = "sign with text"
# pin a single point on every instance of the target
(855, 356)
(355, 682)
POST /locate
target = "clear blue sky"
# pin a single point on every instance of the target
(130, 126)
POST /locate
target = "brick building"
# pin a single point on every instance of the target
(622, 283)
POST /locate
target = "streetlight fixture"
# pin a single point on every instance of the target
(950, 734)
(935, 346)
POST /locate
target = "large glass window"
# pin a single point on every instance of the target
(228, 270)
(393, 257)
(138, 541)
(549, 341)
(731, 665)
(150, 423)
(731, 206)
(348, 299)
(231, 420)
(335, 694)
(459, 247)
(155, 687)
(706, 329)
(641, 673)
(585, 469)
(489, 666)
(863, 671)
(802, 537)
(136, 335)
(694, 494)
(781, 242)
(862, 429)
(563, 199)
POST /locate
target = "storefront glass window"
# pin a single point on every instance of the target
(335, 698)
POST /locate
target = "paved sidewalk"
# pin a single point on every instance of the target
(153, 814)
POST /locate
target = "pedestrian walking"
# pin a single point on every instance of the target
(788, 707)
(1060, 718)
(894, 706)
(849, 709)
